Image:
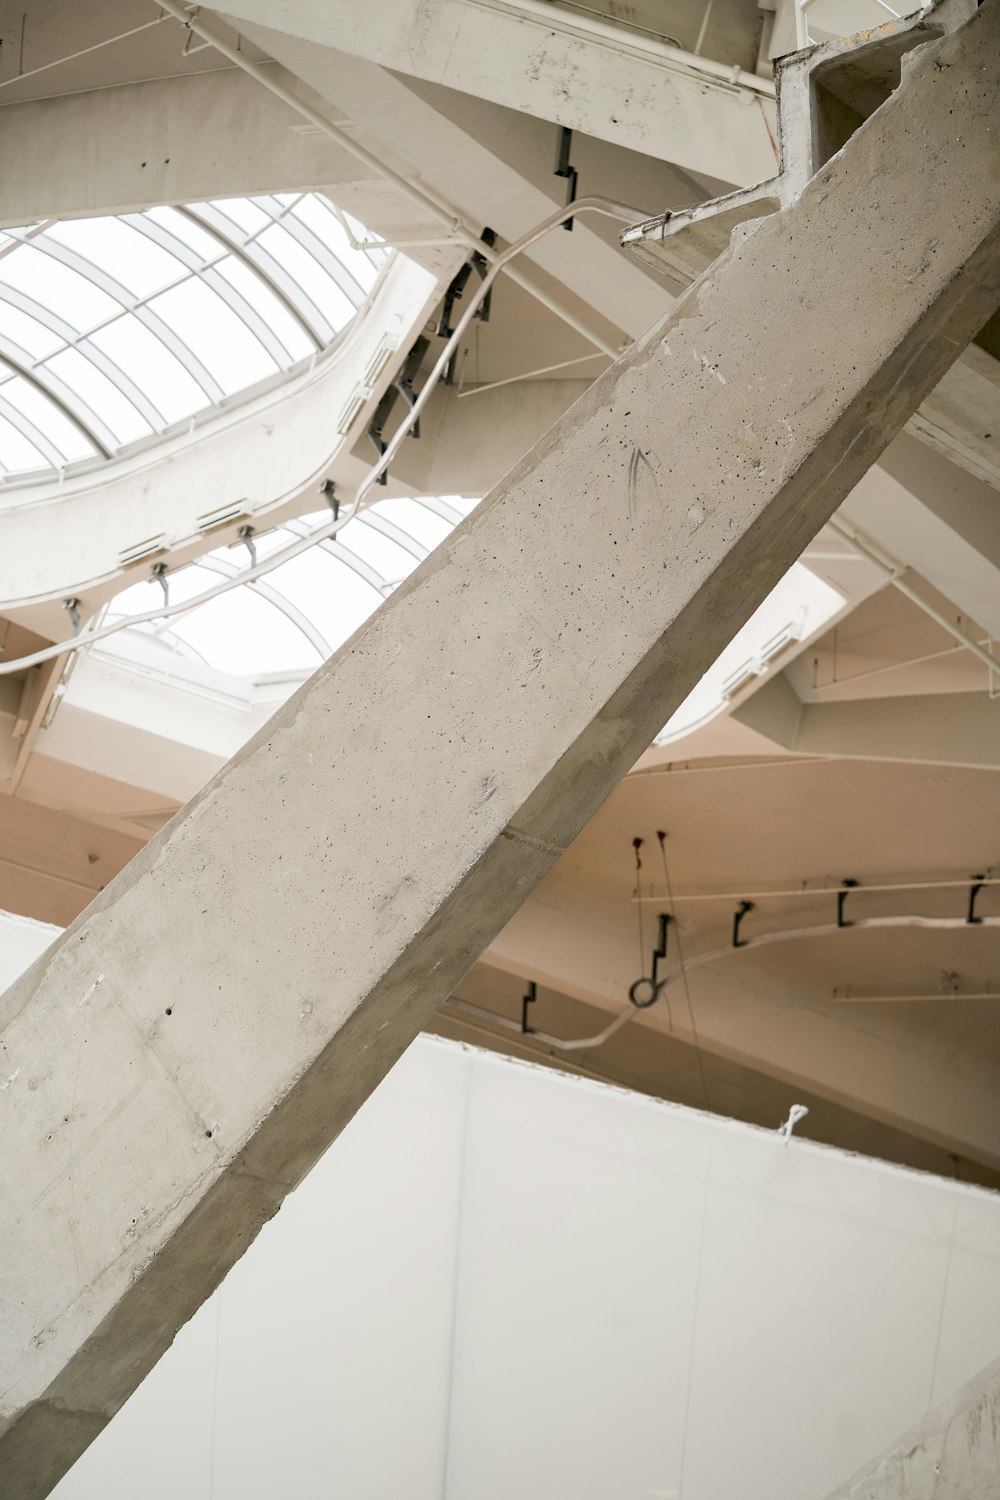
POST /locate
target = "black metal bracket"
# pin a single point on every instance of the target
(329, 492)
(526, 1000)
(563, 168)
(401, 386)
(477, 262)
(245, 534)
(846, 887)
(72, 608)
(979, 883)
(738, 916)
(645, 992)
(160, 574)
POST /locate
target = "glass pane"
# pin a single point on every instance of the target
(388, 558)
(222, 342)
(410, 516)
(66, 293)
(147, 361)
(260, 297)
(130, 257)
(329, 592)
(96, 390)
(322, 290)
(327, 228)
(195, 236)
(47, 417)
(27, 332)
(247, 216)
(243, 634)
(16, 452)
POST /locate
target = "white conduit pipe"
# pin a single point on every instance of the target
(591, 204)
(570, 22)
(427, 201)
(893, 571)
(791, 934)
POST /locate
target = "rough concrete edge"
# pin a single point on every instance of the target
(929, 1433)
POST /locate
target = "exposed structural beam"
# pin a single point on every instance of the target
(558, 65)
(178, 1060)
(184, 146)
(952, 1453)
(937, 519)
(895, 572)
(953, 729)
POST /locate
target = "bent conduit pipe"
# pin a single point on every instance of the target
(421, 197)
(790, 934)
(590, 204)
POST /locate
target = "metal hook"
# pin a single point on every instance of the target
(979, 882)
(653, 986)
(846, 887)
(738, 916)
(246, 537)
(160, 574)
(329, 492)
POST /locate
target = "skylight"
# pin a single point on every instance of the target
(290, 620)
(114, 329)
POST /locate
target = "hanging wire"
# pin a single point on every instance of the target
(662, 837)
(637, 845)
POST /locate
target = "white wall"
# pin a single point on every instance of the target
(502, 1282)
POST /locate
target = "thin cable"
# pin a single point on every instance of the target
(88, 637)
(683, 968)
(637, 845)
(72, 56)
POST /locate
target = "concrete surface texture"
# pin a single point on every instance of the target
(181, 1057)
(951, 1455)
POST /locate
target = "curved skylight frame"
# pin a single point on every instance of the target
(227, 247)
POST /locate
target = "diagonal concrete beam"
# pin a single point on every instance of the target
(179, 1059)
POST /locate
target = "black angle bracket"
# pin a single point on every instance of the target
(329, 492)
(738, 916)
(846, 887)
(477, 262)
(526, 1000)
(563, 168)
(401, 386)
(978, 884)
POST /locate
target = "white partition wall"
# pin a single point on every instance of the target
(503, 1282)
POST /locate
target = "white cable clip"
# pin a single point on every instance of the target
(795, 1114)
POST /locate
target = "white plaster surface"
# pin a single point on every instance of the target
(504, 1282)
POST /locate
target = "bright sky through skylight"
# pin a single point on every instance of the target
(113, 329)
(296, 616)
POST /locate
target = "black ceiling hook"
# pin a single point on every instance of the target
(738, 916)
(846, 887)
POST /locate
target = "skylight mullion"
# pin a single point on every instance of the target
(107, 366)
(137, 306)
(76, 411)
(272, 272)
(32, 434)
(350, 559)
(395, 533)
(440, 508)
(331, 263)
(280, 601)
